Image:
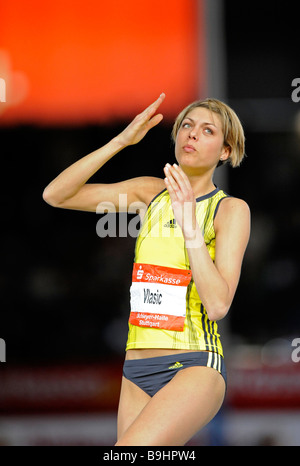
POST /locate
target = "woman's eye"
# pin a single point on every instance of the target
(186, 125)
(208, 130)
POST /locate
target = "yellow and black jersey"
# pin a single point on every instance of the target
(162, 279)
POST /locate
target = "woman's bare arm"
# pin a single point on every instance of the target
(70, 189)
(216, 281)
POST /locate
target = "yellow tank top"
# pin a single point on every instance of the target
(160, 243)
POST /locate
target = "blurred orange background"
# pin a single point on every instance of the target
(81, 62)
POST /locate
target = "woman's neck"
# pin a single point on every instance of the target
(201, 185)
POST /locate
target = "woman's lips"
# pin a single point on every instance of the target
(189, 148)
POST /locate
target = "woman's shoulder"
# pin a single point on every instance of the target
(232, 208)
(231, 202)
(149, 187)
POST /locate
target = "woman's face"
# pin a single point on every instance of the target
(200, 141)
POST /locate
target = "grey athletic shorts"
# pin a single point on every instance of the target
(151, 374)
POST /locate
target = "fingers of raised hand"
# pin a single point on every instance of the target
(177, 181)
(149, 111)
(157, 102)
(171, 183)
(144, 119)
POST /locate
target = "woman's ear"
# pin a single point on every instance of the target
(225, 153)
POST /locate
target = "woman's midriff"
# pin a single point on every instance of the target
(154, 352)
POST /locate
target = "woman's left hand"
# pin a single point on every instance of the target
(182, 199)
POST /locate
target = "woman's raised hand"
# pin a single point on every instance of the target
(182, 199)
(141, 124)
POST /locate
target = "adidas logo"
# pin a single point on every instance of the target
(176, 365)
(171, 224)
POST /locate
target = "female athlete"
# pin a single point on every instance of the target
(186, 269)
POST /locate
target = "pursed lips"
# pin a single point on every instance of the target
(189, 148)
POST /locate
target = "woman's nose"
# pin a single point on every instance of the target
(193, 134)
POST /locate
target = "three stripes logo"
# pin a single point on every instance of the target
(171, 224)
(177, 365)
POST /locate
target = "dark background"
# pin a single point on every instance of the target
(65, 291)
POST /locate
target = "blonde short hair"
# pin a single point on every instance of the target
(234, 136)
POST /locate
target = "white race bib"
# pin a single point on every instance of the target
(158, 296)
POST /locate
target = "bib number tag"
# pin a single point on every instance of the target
(158, 296)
